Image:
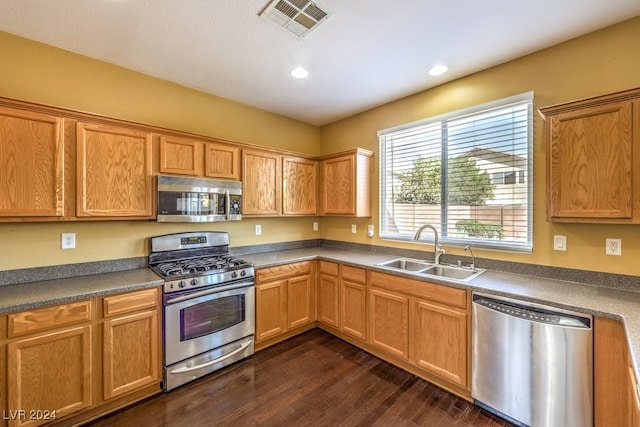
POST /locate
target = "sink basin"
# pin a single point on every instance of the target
(406, 264)
(450, 272)
(423, 268)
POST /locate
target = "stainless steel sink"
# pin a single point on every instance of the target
(406, 264)
(426, 269)
(451, 272)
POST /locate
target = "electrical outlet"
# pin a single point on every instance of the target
(68, 241)
(613, 247)
(315, 226)
(559, 243)
(370, 231)
(258, 229)
(353, 228)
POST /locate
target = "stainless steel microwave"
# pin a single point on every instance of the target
(183, 199)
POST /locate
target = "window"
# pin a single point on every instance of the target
(468, 173)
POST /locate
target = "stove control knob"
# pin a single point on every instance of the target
(194, 282)
(234, 274)
(243, 273)
(182, 284)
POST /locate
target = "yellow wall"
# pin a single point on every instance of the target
(35, 72)
(601, 62)
(598, 63)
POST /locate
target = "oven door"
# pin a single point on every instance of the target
(203, 320)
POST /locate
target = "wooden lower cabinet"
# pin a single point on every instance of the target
(439, 340)
(71, 363)
(130, 342)
(49, 375)
(285, 301)
(389, 322)
(328, 294)
(615, 387)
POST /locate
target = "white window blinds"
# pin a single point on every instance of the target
(468, 173)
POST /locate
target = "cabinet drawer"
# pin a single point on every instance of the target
(437, 293)
(132, 301)
(42, 319)
(353, 274)
(329, 268)
(282, 271)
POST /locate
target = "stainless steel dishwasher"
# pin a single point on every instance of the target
(532, 364)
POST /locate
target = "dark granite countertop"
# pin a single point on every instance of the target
(587, 298)
(613, 303)
(37, 294)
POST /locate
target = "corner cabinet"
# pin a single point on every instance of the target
(299, 186)
(114, 172)
(345, 184)
(31, 164)
(593, 149)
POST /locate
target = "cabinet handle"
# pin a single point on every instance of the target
(212, 362)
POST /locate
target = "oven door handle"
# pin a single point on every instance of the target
(210, 291)
(212, 362)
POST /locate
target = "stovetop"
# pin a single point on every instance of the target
(196, 260)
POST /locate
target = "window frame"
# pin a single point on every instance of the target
(510, 246)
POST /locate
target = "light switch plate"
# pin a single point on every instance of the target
(315, 226)
(258, 229)
(559, 243)
(353, 228)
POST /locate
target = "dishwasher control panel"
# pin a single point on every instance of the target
(532, 313)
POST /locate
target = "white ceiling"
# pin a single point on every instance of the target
(366, 53)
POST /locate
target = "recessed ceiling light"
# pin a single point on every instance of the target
(437, 70)
(299, 73)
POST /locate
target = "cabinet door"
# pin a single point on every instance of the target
(222, 161)
(31, 164)
(261, 183)
(271, 309)
(328, 302)
(634, 400)
(131, 356)
(180, 156)
(50, 372)
(338, 185)
(591, 157)
(300, 302)
(300, 186)
(389, 322)
(114, 172)
(353, 306)
(440, 339)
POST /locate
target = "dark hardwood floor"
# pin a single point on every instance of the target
(313, 379)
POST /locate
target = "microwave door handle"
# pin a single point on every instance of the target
(212, 362)
(227, 204)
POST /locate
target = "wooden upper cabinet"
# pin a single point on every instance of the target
(114, 176)
(345, 187)
(593, 149)
(180, 156)
(31, 164)
(221, 161)
(261, 183)
(300, 186)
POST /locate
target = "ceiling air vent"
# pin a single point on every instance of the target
(296, 16)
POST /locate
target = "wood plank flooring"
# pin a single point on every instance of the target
(313, 379)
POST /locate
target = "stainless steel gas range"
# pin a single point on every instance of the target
(209, 304)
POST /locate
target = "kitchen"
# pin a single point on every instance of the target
(557, 74)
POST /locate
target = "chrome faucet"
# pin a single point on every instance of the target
(473, 259)
(437, 250)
